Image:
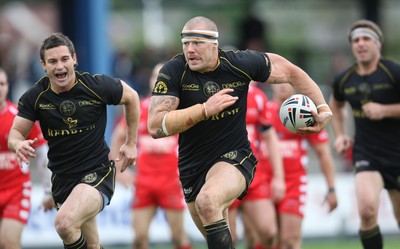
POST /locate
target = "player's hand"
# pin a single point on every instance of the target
(219, 101)
(127, 156)
(24, 150)
(374, 111)
(331, 199)
(278, 188)
(322, 119)
(48, 202)
(343, 144)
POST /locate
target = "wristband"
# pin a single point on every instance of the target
(331, 190)
(205, 109)
(163, 127)
(322, 105)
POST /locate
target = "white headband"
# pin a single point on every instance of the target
(364, 32)
(199, 35)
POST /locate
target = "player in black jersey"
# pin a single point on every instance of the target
(72, 108)
(372, 88)
(202, 95)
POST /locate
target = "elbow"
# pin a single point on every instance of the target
(153, 130)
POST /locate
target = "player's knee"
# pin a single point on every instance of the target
(368, 212)
(64, 225)
(205, 206)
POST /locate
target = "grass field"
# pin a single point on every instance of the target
(392, 242)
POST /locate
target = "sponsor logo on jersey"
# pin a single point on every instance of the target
(190, 87)
(48, 106)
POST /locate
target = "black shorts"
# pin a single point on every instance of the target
(102, 178)
(243, 159)
(390, 175)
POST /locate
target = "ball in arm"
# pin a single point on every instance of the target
(295, 112)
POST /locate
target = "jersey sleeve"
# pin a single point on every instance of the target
(26, 105)
(169, 78)
(110, 89)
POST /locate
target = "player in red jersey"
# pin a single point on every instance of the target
(156, 179)
(256, 205)
(15, 180)
(290, 209)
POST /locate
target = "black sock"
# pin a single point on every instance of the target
(79, 244)
(218, 235)
(371, 239)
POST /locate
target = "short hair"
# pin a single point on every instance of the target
(56, 40)
(363, 23)
(201, 20)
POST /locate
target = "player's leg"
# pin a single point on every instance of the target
(141, 222)
(14, 213)
(395, 198)
(233, 216)
(260, 217)
(90, 233)
(82, 204)
(249, 234)
(175, 219)
(368, 204)
(224, 183)
(290, 231)
(10, 233)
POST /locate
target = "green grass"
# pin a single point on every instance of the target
(391, 242)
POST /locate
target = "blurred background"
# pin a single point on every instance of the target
(126, 38)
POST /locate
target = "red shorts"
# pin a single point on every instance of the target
(294, 200)
(163, 191)
(15, 202)
(258, 190)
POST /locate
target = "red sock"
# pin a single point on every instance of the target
(258, 246)
(188, 246)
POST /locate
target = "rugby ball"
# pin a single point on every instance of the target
(295, 112)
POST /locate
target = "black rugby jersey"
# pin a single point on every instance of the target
(73, 122)
(373, 139)
(204, 143)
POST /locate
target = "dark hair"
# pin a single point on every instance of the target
(363, 23)
(56, 40)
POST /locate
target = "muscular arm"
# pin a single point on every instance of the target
(278, 183)
(16, 139)
(328, 169)
(130, 101)
(283, 71)
(343, 141)
(163, 109)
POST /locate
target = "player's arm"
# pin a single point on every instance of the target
(16, 139)
(118, 138)
(165, 120)
(131, 104)
(283, 71)
(326, 162)
(270, 136)
(377, 111)
(343, 142)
